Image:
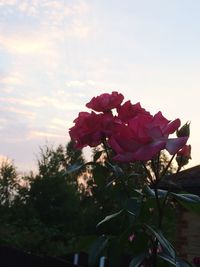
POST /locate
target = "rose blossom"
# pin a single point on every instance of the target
(105, 102)
(128, 111)
(144, 137)
(91, 128)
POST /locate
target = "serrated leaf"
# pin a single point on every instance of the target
(110, 217)
(163, 241)
(136, 261)
(97, 249)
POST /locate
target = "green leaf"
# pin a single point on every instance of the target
(97, 249)
(76, 167)
(163, 241)
(187, 197)
(167, 258)
(136, 261)
(110, 217)
(100, 175)
(189, 201)
(134, 205)
(138, 192)
(116, 169)
(73, 168)
(145, 215)
(134, 174)
(182, 263)
(151, 193)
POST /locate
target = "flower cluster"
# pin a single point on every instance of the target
(131, 131)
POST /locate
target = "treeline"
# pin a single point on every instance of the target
(47, 212)
(55, 212)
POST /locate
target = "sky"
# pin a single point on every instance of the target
(55, 55)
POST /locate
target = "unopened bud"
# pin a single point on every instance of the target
(182, 161)
(184, 130)
(183, 155)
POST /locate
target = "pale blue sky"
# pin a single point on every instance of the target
(56, 55)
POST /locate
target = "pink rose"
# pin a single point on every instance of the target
(128, 111)
(105, 102)
(91, 128)
(144, 137)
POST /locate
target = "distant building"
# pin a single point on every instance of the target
(188, 223)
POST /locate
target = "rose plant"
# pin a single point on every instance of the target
(127, 134)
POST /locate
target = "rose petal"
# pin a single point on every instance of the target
(173, 145)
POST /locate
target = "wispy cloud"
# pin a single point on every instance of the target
(19, 101)
(77, 83)
(41, 102)
(59, 124)
(24, 44)
(34, 7)
(60, 19)
(11, 79)
(46, 134)
(25, 113)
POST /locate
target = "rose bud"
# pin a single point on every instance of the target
(184, 130)
(183, 155)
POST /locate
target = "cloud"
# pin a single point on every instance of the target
(8, 2)
(25, 113)
(11, 79)
(3, 123)
(21, 102)
(62, 104)
(79, 83)
(59, 124)
(59, 18)
(24, 44)
(39, 134)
